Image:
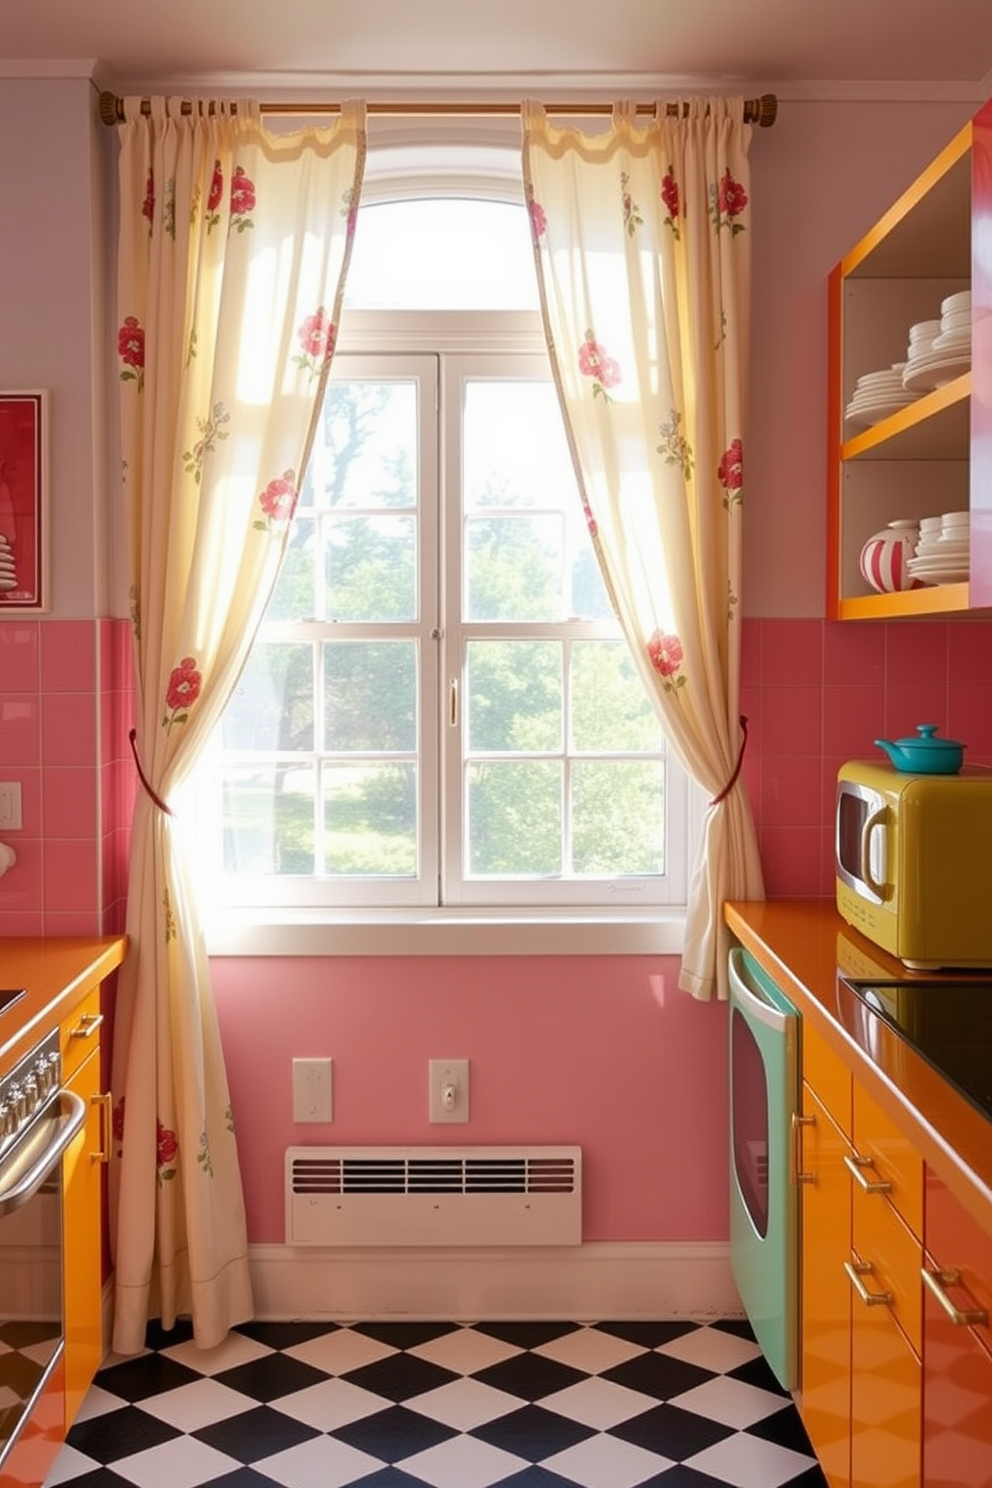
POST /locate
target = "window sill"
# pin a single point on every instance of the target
(447, 933)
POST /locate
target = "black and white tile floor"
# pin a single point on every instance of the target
(442, 1405)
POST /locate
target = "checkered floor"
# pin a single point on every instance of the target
(404, 1405)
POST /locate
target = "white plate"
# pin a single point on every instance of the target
(953, 341)
(958, 301)
(933, 373)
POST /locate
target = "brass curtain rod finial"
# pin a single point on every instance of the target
(762, 111)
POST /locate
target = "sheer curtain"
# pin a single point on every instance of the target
(233, 249)
(642, 244)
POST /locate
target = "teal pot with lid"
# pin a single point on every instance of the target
(925, 754)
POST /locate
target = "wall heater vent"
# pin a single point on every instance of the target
(433, 1196)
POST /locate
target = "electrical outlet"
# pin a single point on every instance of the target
(11, 819)
(448, 1089)
(311, 1090)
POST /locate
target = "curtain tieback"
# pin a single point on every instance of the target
(737, 768)
(149, 788)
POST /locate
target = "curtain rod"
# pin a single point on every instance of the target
(761, 111)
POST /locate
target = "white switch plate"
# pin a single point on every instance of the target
(448, 1089)
(11, 819)
(311, 1090)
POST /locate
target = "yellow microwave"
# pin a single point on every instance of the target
(914, 862)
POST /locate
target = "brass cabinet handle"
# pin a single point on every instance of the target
(87, 1025)
(936, 1281)
(106, 1126)
(856, 1164)
(870, 1299)
(798, 1122)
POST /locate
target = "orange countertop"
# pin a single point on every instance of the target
(806, 948)
(56, 973)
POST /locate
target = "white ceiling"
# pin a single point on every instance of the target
(399, 48)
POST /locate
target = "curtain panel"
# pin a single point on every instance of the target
(642, 245)
(232, 254)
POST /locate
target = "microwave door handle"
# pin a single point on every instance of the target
(876, 819)
(25, 1185)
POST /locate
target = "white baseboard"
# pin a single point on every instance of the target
(580, 1283)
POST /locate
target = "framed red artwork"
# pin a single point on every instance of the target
(23, 502)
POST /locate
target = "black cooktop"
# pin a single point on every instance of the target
(948, 1022)
(10, 995)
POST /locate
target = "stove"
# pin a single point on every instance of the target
(949, 1022)
(10, 995)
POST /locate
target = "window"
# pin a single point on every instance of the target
(439, 709)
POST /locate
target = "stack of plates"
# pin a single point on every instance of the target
(877, 395)
(8, 576)
(943, 549)
(941, 350)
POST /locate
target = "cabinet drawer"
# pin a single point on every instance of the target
(881, 1239)
(826, 1074)
(80, 1034)
(894, 1160)
(957, 1243)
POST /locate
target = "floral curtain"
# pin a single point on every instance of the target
(233, 250)
(642, 243)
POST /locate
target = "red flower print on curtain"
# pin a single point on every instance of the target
(538, 218)
(166, 1147)
(148, 205)
(183, 690)
(278, 502)
(730, 474)
(670, 201)
(214, 196)
(242, 200)
(317, 335)
(727, 201)
(665, 654)
(131, 350)
(595, 362)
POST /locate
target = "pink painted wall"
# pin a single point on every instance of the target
(599, 1051)
(604, 1052)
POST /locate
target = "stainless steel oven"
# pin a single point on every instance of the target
(38, 1120)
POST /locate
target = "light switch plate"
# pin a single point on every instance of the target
(11, 819)
(448, 1089)
(311, 1090)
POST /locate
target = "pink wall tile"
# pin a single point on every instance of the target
(922, 701)
(792, 721)
(914, 651)
(852, 718)
(791, 791)
(68, 656)
(68, 728)
(20, 729)
(791, 859)
(69, 874)
(969, 653)
(969, 719)
(750, 653)
(21, 888)
(854, 654)
(791, 653)
(69, 795)
(20, 667)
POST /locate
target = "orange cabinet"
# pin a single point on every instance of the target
(891, 459)
(81, 1206)
(957, 1330)
(861, 1311)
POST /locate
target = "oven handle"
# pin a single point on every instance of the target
(23, 1185)
(752, 1001)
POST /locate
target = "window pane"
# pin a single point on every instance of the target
(370, 566)
(610, 708)
(268, 819)
(618, 817)
(516, 456)
(514, 819)
(370, 820)
(365, 453)
(294, 595)
(513, 568)
(272, 705)
(442, 255)
(514, 696)
(370, 696)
